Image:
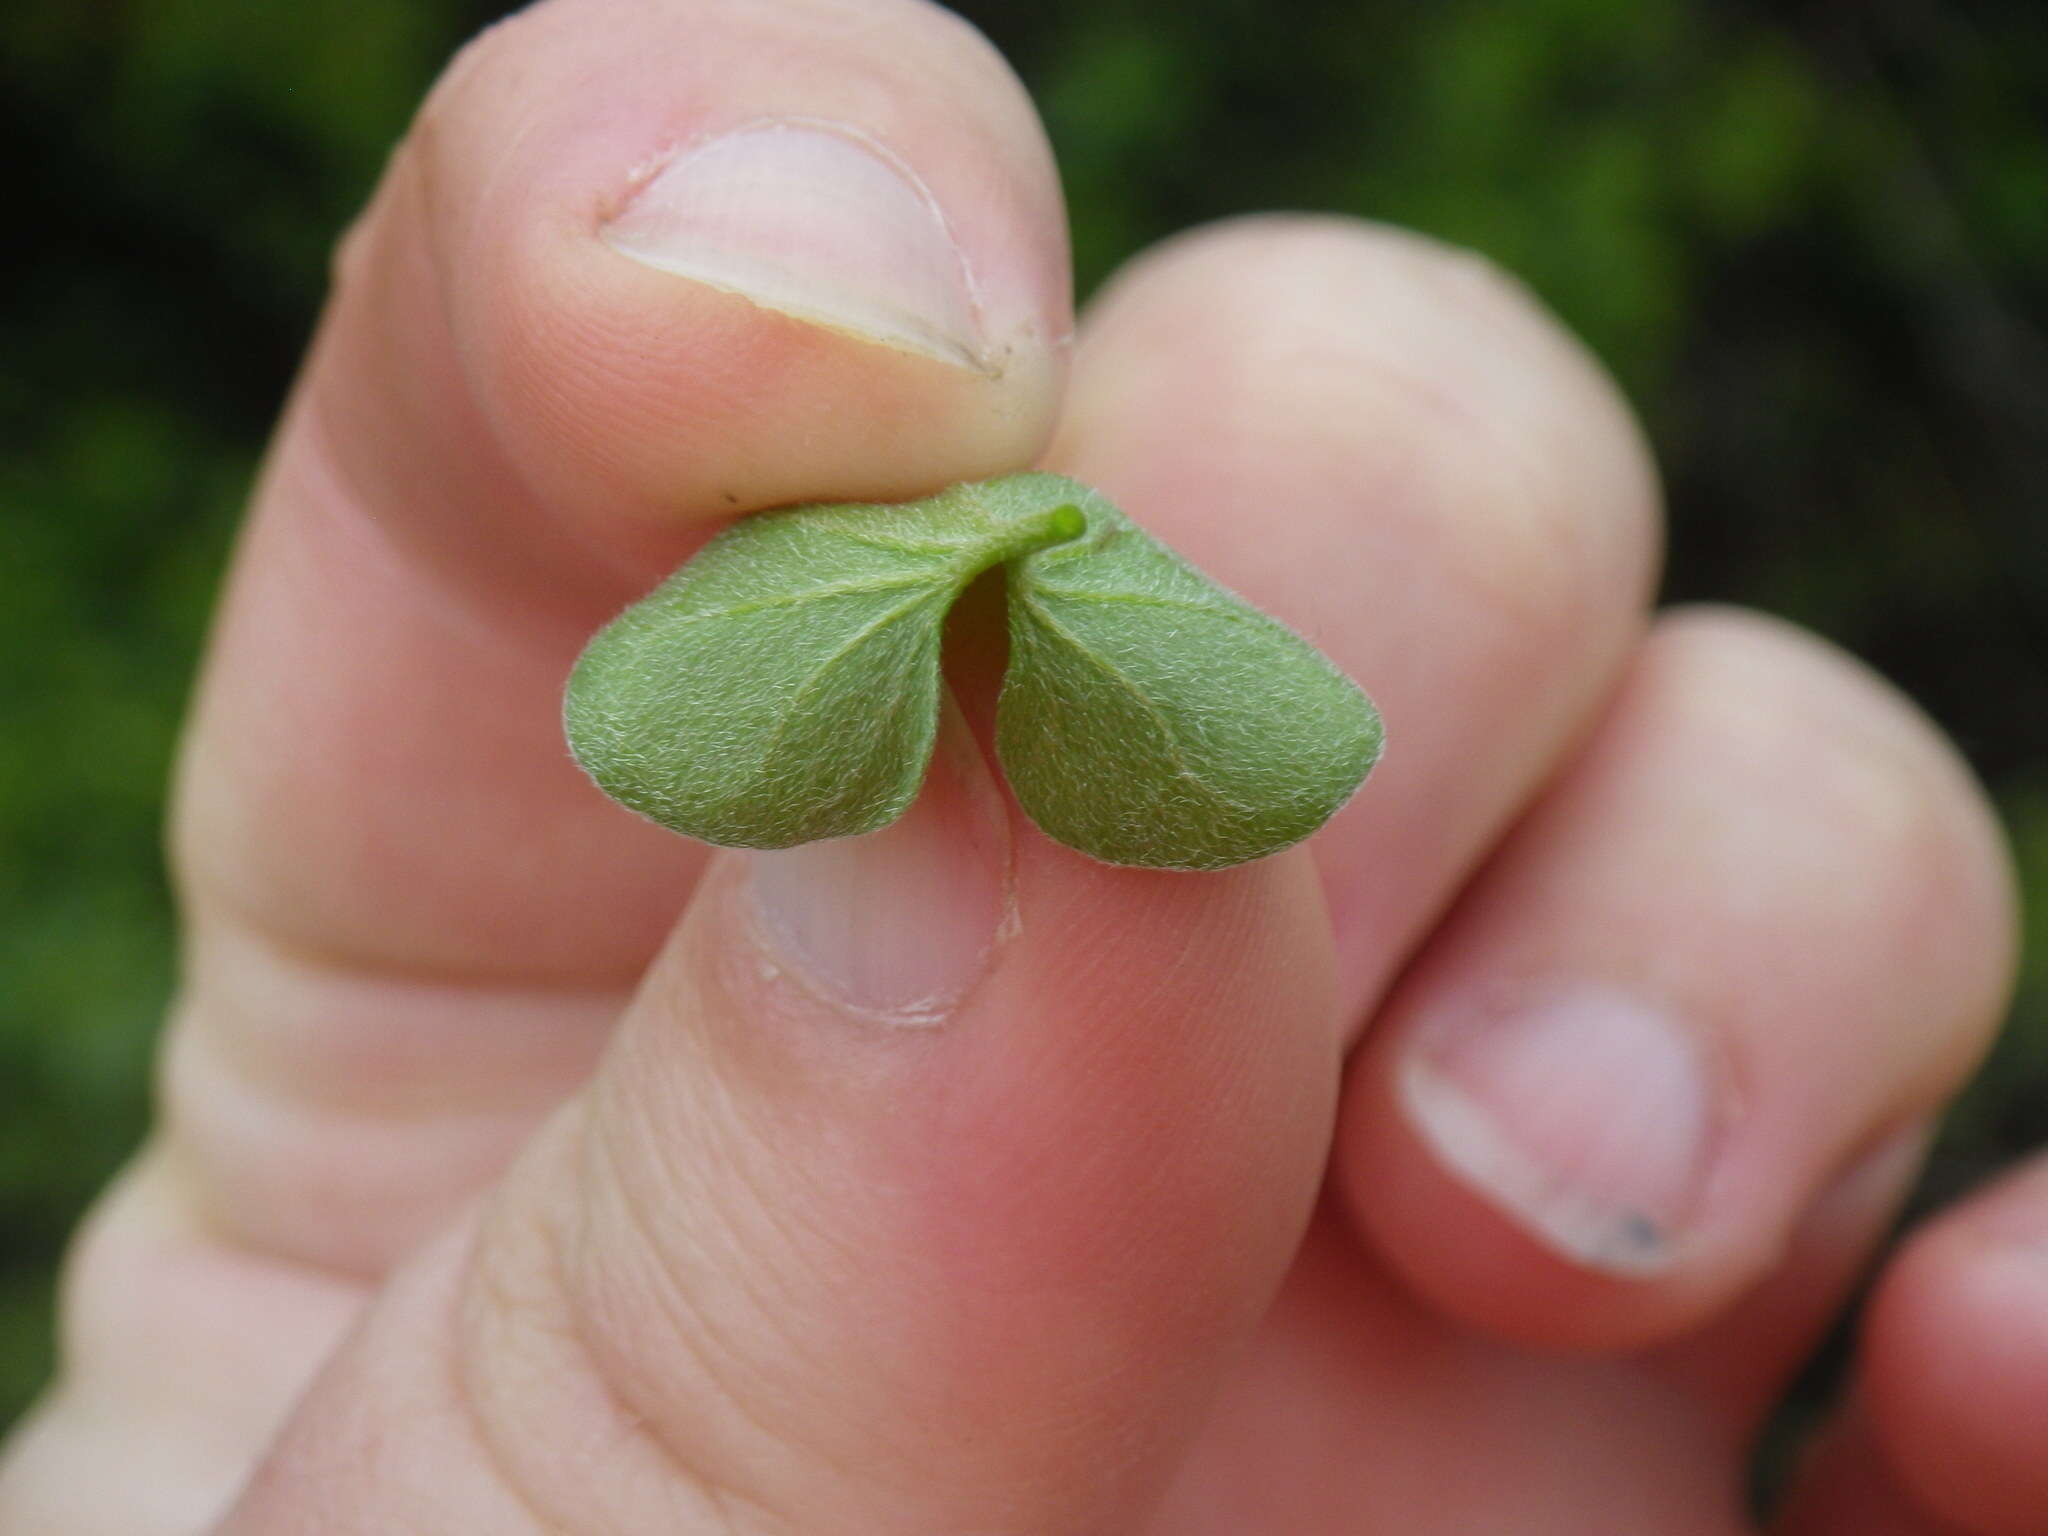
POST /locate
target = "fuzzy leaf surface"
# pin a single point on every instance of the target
(1149, 717)
(783, 685)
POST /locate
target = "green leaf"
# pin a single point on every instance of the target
(783, 686)
(1149, 717)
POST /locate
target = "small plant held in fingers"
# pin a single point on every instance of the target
(784, 684)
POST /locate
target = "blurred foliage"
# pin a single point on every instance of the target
(1811, 240)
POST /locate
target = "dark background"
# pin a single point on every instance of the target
(1811, 240)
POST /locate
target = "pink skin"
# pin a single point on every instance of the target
(1487, 1164)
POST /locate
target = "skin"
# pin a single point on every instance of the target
(512, 1173)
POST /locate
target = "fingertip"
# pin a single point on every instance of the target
(1955, 1361)
(1757, 923)
(1039, 1207)
(702, 260)
(1315, 332)
(1945, 831)
(1845, 1486)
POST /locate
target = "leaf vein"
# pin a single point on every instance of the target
(902, 546)
(1158, 716)
(853, 642)
(745, 606)
(1152, 600)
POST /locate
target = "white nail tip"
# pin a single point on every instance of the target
(1573, 1222)
(814, 220)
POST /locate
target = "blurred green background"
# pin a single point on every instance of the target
(1811, 240)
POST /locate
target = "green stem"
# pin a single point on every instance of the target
(1025, 536)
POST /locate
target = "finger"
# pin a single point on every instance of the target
(1370, 1409)
(1763, 919)
(604, 295)
(1741, 1362)
(1388, 445)
(1361, 1410)
(181, 1356)
(639, 264)
(1953, 1368)
(926, 1188)
(1845, 1487)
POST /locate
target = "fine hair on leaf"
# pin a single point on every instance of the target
(784, 684)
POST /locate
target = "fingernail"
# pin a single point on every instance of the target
(815, 220)
(1588, 1116)
(899, 924)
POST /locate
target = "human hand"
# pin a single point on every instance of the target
(1486, 1165)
